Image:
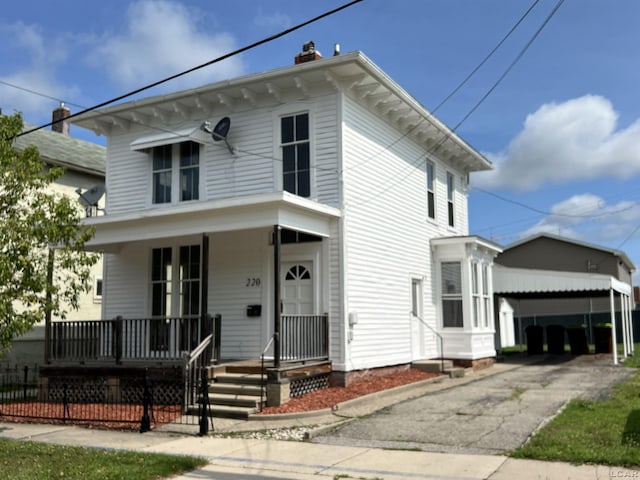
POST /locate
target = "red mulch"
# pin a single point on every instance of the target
(331, 396)
(112, 416)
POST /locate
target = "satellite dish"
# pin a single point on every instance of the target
(91, 197)
(219, 132)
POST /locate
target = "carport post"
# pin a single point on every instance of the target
(614, 343)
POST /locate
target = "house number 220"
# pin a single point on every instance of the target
(252, 282)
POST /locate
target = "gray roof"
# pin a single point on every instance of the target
(615, 252)
(60, 149)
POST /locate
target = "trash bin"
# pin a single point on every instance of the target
(555, 339)
(602, 337)
(534, 339)
(578, 340)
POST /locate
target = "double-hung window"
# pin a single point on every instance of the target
(452, 312)
(296, 161)
(431, 190)
(175, 292)
(485, 294)
(475, 294)
(450, 193)
(176, 168)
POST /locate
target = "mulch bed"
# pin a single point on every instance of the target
(112, 416)
(331, 396)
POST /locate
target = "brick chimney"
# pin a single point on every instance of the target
(308, 54)
(59, 119)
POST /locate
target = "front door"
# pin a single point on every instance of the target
(297, 288)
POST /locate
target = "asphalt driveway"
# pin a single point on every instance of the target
(492, 415)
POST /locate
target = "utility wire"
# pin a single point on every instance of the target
(547, 213)
(513, 64)
(486, 58)
(211, 62)
(454, 91)
(448, 135)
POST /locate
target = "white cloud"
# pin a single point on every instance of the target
(34, 76)
(560, 143)
(588, 217)
(161, 39)
(272, 20)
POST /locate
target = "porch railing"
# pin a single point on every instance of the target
(304, 338)
(120, 340)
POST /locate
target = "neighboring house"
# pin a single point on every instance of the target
(546, 277)
(84, 168)
(328, 207)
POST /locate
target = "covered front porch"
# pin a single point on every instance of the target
(174, 341)
(234, 279)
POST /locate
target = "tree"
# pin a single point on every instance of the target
(34, 222)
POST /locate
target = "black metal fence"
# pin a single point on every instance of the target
(134, 400)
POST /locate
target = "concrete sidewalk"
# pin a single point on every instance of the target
(235, 458)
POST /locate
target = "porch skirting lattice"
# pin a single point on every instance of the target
(302, 386)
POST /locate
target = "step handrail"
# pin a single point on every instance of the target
(262, 382)
(439, 337)
(190, 373)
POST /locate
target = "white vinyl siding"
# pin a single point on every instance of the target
(255, 167)
(237, 257)
(386, 237)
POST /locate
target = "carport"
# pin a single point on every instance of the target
(524, 283)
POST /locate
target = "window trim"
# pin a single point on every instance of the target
(451, 208)
(457, 297)
(277, 115)
(431, 190)
(296, 143)
(176, 174)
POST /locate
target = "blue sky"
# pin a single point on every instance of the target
(562, 128)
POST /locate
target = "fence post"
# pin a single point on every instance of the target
(145, 421)
(217, 337)
(204, 409)
(26, 374)
(117, 339)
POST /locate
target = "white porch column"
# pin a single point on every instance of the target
(613, 327)
(623, 320)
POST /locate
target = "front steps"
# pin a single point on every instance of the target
(439, 366)
(235, 395)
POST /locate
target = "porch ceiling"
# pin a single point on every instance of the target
(238, 213)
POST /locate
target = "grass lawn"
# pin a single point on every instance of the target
(21, 460)
(603, 432)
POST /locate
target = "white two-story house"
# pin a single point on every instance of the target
(318, 208)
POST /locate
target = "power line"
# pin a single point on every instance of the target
(447, 135)
(454, 91)
(513, 63)
(548, 213)
(211, 62)
(486, 58)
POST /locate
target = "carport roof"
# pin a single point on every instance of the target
(530, 283)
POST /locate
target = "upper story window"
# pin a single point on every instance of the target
(176, 168)
(431, 190)
(450, 204)
(296, 156)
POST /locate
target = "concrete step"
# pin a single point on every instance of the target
(232, 400)
(239, 378)
(235, 389)
(454, 372)
(433, 366)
